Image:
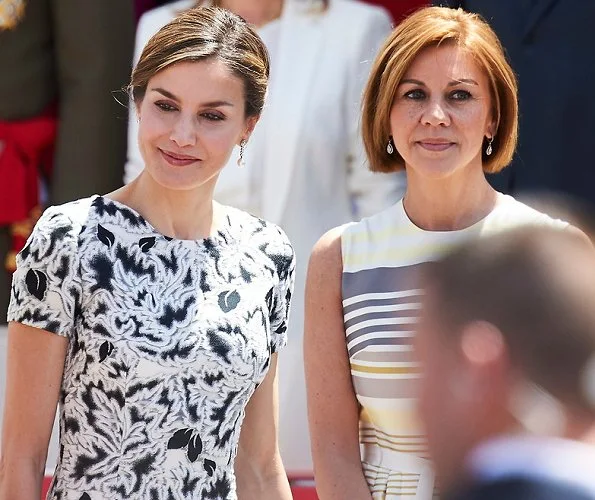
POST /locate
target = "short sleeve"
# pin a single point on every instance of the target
(280, 300)
(46, 286)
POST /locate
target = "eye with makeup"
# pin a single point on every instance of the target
(212, 117)
(208, 115)
(415, 94)
(460, 95)
(165, 106)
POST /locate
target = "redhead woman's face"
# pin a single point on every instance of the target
(192, 115)
(441, 113)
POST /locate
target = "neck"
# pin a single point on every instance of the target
(186, 215)
(448, 204)
(255, 12)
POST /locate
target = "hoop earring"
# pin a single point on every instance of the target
(489, 148)
(390, 147)
(241, 162)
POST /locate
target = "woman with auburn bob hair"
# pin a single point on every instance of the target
(154, 314)
(441, 103)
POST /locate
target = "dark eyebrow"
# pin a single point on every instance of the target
(212, 104)
(413, 81)
(165, 93)
(450, 84)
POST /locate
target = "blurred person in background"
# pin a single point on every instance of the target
(506, 341)
(304, 166)
(441, 103)
(153, 314)
(60, 125)
(550, 47)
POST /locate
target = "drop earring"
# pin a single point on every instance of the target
(241, 162)
(489, 148)
(390, 147)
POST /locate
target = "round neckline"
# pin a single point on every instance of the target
(502, 198)
(222, 234)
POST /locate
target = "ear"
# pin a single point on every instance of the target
(137, 106)
(491, 129)
(482, 355)
(250, 124)
(482, 344)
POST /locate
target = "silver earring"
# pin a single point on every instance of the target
(390, 148)
(489, 148)
(241, 162)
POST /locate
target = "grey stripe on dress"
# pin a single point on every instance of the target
(381, 280)
(396, 301)
(378, 341)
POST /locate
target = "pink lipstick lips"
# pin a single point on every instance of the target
(177, 160)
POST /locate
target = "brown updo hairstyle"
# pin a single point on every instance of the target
(203, 33)
(431, 27)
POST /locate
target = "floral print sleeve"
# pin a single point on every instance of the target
(280, 296)
(46, 290)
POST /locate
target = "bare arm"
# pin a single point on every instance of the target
(33, 378)
(259, 469)
(333, 411)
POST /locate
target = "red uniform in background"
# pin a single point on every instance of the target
(399, 8)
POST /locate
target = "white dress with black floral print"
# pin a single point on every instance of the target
(168, 339)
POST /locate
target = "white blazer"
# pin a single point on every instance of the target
(315, 175)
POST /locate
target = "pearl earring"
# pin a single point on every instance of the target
(489, 148)
(390, 148)
(241, 162)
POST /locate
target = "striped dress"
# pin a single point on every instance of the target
(382, 256)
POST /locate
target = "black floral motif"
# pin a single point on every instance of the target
(180, 439)
(146, 244)
(209, 466)
(106, 237)
(168, 341)
(37, 283)
(105, 350)
(186, 438)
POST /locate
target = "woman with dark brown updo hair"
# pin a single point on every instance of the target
(304, 166)
(154, 314)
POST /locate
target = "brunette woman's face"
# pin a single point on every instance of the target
(190, 118)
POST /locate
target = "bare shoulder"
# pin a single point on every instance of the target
(326, 256)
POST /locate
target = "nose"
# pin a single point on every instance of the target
(436, 114)
(183, 132)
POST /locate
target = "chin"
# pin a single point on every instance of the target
(178, 181)
(434, 172)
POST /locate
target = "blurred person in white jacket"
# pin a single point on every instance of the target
(305, 167)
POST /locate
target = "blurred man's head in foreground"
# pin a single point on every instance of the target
(507, 342)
